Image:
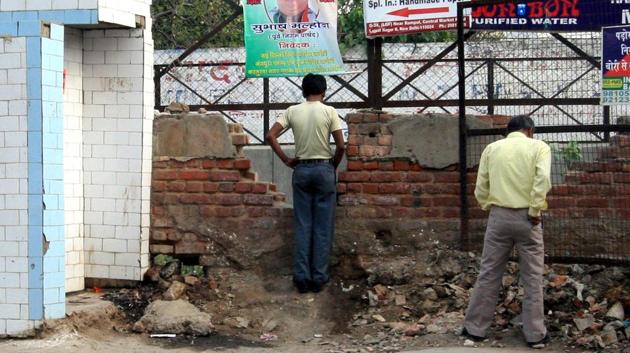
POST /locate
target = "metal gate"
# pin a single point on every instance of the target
(555, 78)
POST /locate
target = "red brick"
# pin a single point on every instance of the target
(158, 186)
(165, 174)
(255, 211)
(260, 188)
(355, 118)
(352, 151)
(194, 186)
(240, 139)
(194, 175)
(446, 201)
(225, 163)
(385, 140)
(193, 164)
(160, 165)
(194, 199)
(370, 188)
(381, 177)
(354, 176)
(370, 118)
(415, 167)
(243, 188)
(174, 235)
(411, 201)
(243, 164)
(367, 151)
(371, 165)
(599, 202)
(195, 247)
(622, 202)
(560, 190)
(449, 212)
(372, 128)
(210, 187)
(383, 212)
(595, 178)
(158, 210)
(226, 187)
(355, 165)
(225, 176)
(208, 211)
(401, 165)
(355, 140)
(446, 177)
(386, 166)
(446, 189)
(158, 235)
(209, 164)
(341, 188)
(273, 187)
(394, 188)
(161, 249)
(425, 212)
(280, 197)
(352, 200)
(225, 212)
(354, 187)
(622, 177)
(561, 202)
(419, 177)
(228, 199)
(171, 198)
(250, 199)
(176, 186)
(385, 200)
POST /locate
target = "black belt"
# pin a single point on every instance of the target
(312, 161)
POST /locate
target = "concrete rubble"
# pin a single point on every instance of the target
(398, 303)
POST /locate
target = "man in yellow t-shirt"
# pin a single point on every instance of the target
(314, 180)
(512, 183)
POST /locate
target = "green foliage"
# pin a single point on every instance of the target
(570, 153)
(180, 23)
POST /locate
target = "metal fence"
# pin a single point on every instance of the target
(554, 78)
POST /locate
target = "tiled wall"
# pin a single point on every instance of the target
(13, 186)
(73, 159)
(54, 150)
(117, 158)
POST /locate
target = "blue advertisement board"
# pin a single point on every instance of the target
(551, 15)
(615, 65)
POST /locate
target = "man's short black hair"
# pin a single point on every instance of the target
(520, 122)
(313, 85)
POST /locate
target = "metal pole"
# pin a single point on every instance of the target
(375, 72)
(607, 122)
(157, 84)
(490, 64)
(463, 189)
(265, 108)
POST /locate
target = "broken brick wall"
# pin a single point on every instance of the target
(208, 206)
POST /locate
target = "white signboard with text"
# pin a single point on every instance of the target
(398, 17)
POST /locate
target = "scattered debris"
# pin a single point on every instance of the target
(175, 317)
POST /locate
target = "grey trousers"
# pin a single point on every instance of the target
(506, 228)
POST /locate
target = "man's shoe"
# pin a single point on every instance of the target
(540, 344)
(302, 286)
(471, 337)
(316, 287)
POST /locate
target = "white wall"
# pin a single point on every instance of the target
(13, 187)
(118, 100)
(73, 159)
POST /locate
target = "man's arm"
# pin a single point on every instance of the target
(482, 188)
(541, 185)
(272, 139)
(340, 147)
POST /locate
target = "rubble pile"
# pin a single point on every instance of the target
(392, 303)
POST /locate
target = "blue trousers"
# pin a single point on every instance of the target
(314, 201)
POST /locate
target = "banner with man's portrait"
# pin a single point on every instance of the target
(291, 38)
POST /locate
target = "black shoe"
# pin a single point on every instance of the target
(472, 337)
(301, 285)
(540, 344)
(316, 287)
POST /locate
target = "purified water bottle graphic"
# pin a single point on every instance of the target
(521, 10)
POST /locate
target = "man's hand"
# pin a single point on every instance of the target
(534, 220)
(291, 162)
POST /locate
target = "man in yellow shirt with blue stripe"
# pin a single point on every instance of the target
(512, 183)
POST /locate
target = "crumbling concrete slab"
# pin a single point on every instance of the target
(192, 135)
(432, 139)
(177, 316)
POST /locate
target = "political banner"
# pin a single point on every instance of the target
(291, 38)
(615, 65)
(398, 17)
(552, 15)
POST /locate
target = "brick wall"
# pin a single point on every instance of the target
(216, 212)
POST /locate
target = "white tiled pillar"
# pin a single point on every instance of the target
(117, 83)
(73, 159)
